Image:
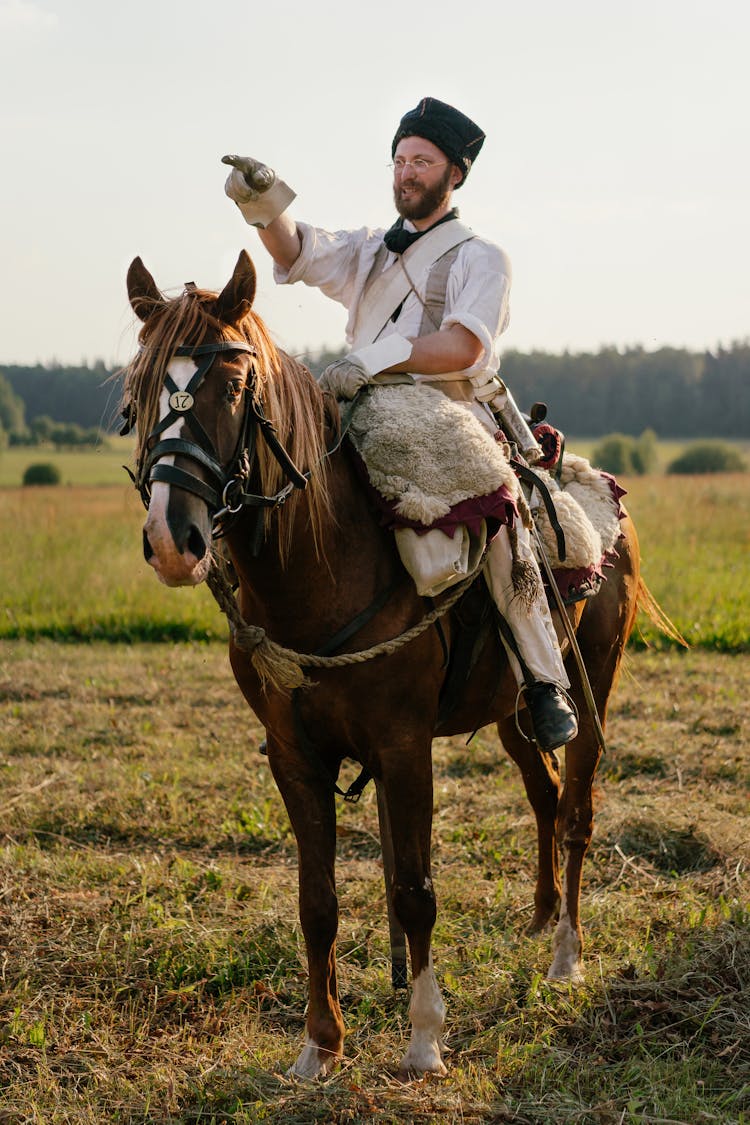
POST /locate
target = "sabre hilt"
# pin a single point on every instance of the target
(513, 423)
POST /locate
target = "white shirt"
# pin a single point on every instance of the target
(477, 294)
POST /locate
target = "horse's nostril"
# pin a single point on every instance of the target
(196, 544)
(148, 550)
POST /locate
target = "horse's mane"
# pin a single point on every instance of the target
(290, 395)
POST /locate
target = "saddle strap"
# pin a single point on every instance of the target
(528, 476)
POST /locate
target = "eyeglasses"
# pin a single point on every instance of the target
(419, 165)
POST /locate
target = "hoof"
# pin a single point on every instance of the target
(422, 1058)
(566, 973)
(313, 1062)
(412, 1074)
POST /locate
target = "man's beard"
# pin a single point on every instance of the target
(424, 204)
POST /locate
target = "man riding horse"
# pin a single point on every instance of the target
(449, 342)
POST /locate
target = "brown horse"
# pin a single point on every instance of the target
(229, 429)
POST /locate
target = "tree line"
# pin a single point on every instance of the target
(57, 405)
(674, 392)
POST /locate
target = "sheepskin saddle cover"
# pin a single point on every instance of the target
(426, 452)
(587, 503)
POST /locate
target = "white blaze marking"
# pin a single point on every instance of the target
(181, 369)
(427, 1013)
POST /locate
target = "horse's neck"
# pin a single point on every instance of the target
(314, 591)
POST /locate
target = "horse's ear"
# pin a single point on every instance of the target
(236, 299)
(143, 292)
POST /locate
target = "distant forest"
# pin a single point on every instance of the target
(675, 393)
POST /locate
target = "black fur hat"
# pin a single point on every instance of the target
(453, 132)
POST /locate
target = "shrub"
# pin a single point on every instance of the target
(42, 473)
(614, 454)
(708, 457)
(620, 453)
(644, 454)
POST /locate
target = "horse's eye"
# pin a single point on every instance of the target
(234, 389)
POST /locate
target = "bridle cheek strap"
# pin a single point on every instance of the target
(201, 449)
(226, 495)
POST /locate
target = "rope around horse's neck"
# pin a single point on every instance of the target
(282, 667)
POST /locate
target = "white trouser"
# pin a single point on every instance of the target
(531, 626)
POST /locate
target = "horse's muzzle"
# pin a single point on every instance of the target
(177, 562)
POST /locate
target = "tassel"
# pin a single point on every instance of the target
(270, 661)
(283, 674)
(523, 574)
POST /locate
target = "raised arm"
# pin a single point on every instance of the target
(282, 240)
(263, 199)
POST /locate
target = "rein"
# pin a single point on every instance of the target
(283, 667)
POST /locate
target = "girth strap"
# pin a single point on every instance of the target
(357, 787)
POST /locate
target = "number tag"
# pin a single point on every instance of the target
(181, 401)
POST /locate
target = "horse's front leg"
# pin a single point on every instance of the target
(310, 803)
(406, 789)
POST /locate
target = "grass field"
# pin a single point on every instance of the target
(103, 465)
(152, 967)
(74, 559)
(98, 466)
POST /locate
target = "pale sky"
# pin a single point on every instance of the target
(616, 170)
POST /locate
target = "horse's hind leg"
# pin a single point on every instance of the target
(541, 778)
(395, 929)
(310, 803)
(575, 828)
(406, 789)
(602, 635)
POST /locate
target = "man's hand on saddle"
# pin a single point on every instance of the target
(344, 378)
(256, 189)
(370, 364)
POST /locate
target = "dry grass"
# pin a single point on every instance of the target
(153, 968)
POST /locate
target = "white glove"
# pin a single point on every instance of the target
(344, 378)
(256, 189)
(348, 375)
(490, 389)
(486, 386)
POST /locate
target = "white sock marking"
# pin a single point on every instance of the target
(427, 1013)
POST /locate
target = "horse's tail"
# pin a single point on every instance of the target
(646, 602)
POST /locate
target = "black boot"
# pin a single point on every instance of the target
(553, 719)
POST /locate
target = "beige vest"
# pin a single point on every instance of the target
(385, 290)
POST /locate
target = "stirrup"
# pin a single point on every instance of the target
(522, 732)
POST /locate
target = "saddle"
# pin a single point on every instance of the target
(437, 475)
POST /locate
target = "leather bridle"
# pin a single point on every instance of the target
(225, 492)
